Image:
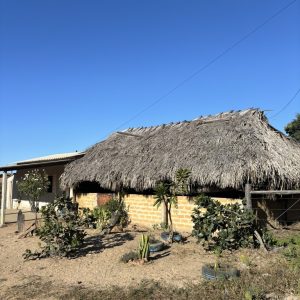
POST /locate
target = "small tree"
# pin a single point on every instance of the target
(32, 186)
(61, 230)
(293, 128)
(220, 227)
(166, 193)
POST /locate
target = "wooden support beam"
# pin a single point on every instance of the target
(3, 199)
(274, 192)
(164, 216)
(248, 196)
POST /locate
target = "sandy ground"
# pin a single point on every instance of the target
(99, 263)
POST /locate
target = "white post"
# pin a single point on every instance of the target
(248, 196)
(164, 215)
(71, 193)
(3, 199)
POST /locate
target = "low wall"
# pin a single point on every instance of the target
(142, 211)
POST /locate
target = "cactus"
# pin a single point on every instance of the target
(143, 250)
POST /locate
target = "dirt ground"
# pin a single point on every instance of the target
(98, 268)
(99, 262)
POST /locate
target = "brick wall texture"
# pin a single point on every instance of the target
(142, 211)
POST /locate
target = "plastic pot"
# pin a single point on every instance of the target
(211, 273)
(156, 246)
(177, 237)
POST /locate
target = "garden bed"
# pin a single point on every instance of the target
(98, 272)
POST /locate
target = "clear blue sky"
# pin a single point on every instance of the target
(72, 71)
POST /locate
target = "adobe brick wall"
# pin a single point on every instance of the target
(142, 211)
(88, 200)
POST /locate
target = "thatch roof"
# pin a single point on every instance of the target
(224, 151)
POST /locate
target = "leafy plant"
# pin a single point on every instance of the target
(223, 227)
(32, 186)
(166, 193)
(143, 250)
(88, 218)
(100, 216)
(293, 128)
(114, 205)
(61, 230)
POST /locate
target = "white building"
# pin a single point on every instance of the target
(53, 165)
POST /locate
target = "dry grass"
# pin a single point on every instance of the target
(263, 275)
(272, 282)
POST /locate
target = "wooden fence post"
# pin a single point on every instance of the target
(248, 196)
(164, 216)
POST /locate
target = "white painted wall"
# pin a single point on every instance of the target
(54, 171)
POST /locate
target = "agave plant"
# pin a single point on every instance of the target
(143, 250)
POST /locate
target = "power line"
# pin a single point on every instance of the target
(286, 105)
(209, 63)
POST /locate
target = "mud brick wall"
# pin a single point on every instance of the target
(142, 211)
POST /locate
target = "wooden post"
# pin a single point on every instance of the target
(164, 216)
(20, 221)
(248, 196)
(71, 193)
(3, 199)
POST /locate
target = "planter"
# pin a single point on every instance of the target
(225, 272)
(177, 237)
(156, 246)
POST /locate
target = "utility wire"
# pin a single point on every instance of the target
(205, 66)
(286, 105)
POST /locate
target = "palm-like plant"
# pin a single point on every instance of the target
(166, 193)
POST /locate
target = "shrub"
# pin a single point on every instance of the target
(114, 205)
(61, 230)
(129, 256)
(88, 218)
(100, 216)
(32, 186)
(221, 227)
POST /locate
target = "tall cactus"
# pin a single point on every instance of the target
(143, 250)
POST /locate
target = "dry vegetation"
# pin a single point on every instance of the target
(221, 150)
(173, 274)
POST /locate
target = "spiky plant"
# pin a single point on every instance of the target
(143, 250)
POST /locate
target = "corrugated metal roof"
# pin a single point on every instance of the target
(43, 160)
(50, 157)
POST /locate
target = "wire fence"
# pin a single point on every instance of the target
(277, 209)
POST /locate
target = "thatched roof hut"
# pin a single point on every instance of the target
(222, 151)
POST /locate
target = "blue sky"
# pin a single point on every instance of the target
(71, 72)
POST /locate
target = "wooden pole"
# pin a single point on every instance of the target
(248, 196)
(164, 215)
(3, 199)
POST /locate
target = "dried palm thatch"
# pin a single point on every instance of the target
(224, 151)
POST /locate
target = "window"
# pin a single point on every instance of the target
(50, 186)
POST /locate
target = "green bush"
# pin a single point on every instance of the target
(61, 230)
(88, 218)
(100, 216)
(129, 256)
(221, 227)
(114, 205)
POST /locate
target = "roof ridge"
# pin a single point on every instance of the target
(208, 118)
